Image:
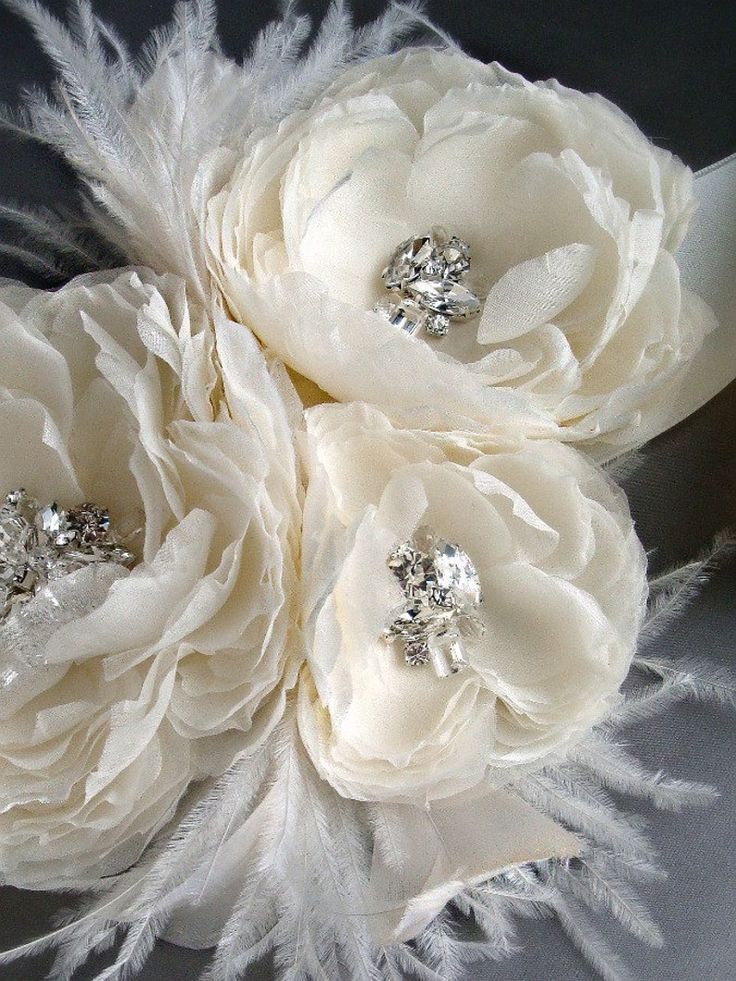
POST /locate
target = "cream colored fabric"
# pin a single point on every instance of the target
(573, 217)
(164, 674)
(707, 258)
(560, 566)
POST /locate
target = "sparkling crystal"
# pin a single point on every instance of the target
(407, 261)
(17, 517)
(450, 260)
(87, 524)
(457, 257)
(17, 539)
(431, 254)
(437, 325)
(417, 620)
(416, 654)
(425, 274)
(48, 520)
(39, 545)
(404, 314)
(432, 570)
(447, 656)
(22, 501)
(446, 297)
(442, 595)
(457, 575)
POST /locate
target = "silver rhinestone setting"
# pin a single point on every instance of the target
(424, 277)
(442, 596)
(42, 543)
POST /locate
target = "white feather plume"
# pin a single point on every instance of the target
(672, 591)
(136, 129)
(617, 769)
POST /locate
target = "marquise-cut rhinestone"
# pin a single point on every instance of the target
(442, 596)
(424, 276)
(407, 261)
(41, 544)
(443, 296)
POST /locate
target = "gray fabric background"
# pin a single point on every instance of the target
(680, 498)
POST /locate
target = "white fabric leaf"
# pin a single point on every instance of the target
(534, 292)
(449, 846)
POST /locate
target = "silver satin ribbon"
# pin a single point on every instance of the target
(707, 260)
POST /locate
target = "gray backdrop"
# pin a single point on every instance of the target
(684, 494)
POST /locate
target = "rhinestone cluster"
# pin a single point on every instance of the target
(442, 596)
(41, 543)
(425, 276)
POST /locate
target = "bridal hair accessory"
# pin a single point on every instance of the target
(442, 591)
(391, 322)
(39, 544)
(427, 273)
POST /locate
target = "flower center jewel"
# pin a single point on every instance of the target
(442, 596)
(41, 543)
(425, 276)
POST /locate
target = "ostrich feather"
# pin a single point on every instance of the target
(590, 812)
(619, 770)
(310, 868)
(622, 468)
(673, 590)
(589, 942)
(30, 259)
(497, 928)
(690, 677)
(642, 705)
(66, 242)
(306, 890)
(439, 950)
(135, 129)
(601, 890)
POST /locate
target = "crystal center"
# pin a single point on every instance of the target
(442, 595)
(424, 277)
(39, 544)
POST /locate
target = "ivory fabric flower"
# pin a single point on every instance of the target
(571, 215)
(120, 686)
(563, 579)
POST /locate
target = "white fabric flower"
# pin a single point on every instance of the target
(564, 585)
(571, 214)
(160, 675)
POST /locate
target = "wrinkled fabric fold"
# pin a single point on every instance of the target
(707, 260)
(423, 857)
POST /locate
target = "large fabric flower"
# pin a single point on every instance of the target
(563, 578)
(572, 217)
(121, 686)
